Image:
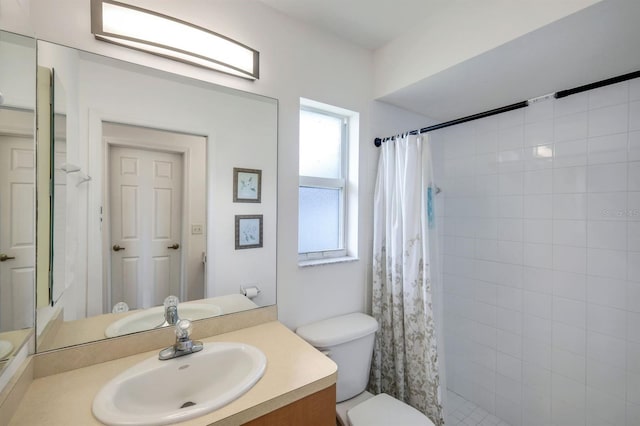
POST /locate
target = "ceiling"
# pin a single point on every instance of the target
(597, 42)
(368, 23)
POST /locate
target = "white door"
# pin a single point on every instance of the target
(145, 219)
(17, 232)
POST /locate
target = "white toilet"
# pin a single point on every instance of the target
(348, 341)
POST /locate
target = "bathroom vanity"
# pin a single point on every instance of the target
(298, 386)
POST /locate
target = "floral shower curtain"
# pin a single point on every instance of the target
(405, 360)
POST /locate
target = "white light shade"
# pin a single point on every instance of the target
(162, 35)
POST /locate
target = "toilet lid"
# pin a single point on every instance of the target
(383, 410)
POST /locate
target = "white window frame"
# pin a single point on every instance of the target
(331, 183)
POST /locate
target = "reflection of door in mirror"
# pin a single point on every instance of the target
(151, 250)
(145, 218)
(17, 221)
(17, 198)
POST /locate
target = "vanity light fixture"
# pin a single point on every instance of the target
(162, 35)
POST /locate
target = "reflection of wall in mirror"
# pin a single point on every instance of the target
(18, 71)
(240, 131)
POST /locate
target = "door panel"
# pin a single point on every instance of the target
(162, 215)
(22, 219)
(17, 232)
(146, 208)
(161, 273)
(128, 214)
(128, 285)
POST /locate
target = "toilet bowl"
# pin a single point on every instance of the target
(348, 340)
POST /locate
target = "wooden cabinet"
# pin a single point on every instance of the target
(318, 409)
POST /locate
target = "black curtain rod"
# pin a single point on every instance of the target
(601, 83)
(378, 141)
(518, 105)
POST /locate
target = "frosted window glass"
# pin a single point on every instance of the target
(320, 145)
(319, 220)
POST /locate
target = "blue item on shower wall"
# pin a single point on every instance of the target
(430, 214)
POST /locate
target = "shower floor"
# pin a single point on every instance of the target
(461, 412)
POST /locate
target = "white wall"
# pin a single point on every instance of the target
(18, 74)
(14, 16)
(296, 61)
(542, 259)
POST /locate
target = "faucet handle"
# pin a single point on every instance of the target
(171, 310)
(171, 301)
(183, 329)
(120, 307)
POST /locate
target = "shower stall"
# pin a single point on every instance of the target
(539, 232)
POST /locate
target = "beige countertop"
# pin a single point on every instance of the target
(294, 370)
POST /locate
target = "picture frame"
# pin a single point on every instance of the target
(249, 231)
(247, 185)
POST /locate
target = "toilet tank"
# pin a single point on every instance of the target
(348, 341)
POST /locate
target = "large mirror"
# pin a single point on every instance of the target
(17, 193)
(145, 165)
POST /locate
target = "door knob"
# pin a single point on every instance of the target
(176, 246)
(4, 257)
(117, 248)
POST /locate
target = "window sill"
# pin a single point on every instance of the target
(326, 261)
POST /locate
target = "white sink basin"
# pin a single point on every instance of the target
(5, 349)
(156, 392)
(151, 318)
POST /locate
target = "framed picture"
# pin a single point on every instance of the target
(248, 231)
(247, 185)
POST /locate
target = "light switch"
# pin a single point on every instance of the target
(196, 229)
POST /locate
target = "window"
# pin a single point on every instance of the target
(324, 179)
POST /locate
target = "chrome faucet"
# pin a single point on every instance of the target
(170, 312)
(184, 345)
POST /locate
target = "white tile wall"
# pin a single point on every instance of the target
(541, 252)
